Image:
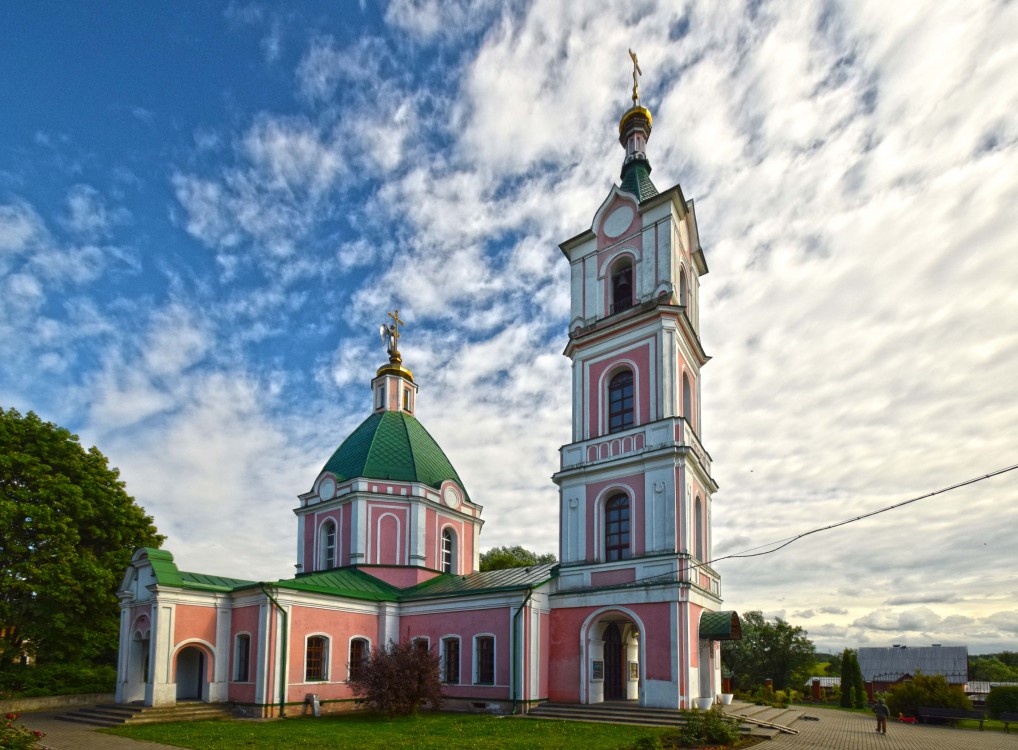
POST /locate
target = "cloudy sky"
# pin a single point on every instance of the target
(207, 209)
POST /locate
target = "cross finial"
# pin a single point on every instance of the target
(636, 83)
(391, 335)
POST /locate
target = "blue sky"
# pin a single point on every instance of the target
(207, 209)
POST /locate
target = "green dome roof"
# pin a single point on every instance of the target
(395, 446)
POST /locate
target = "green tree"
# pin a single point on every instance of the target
(500, 558)
(925, 690)
(69, 529)
(858, 686)
(847, 678)
(991, 669)
(398, 678)
(1002, 699)
(776, 650)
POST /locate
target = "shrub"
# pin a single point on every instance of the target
(14, 737)
(925, 690)
(33, 680)
(1002, 699)
(398, 678)
(711, 727)
(648, 743)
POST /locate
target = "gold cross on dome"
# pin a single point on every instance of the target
(636, 83)
(391, 334)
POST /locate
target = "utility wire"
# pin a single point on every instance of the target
(782, 543)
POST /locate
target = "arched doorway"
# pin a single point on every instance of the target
(614, 664)
(613, 671)
(191, 674)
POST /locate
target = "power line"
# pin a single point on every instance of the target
(782, 543)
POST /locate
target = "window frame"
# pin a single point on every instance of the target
(622, 272)
(365, 643)
(447, 655)
(698, 530)
(448, 553)
(618, 544)
(626, 415)
(242, 666)
(479, 664)
(324, 557)
(323, 658)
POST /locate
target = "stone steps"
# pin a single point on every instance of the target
(629, 713)
(112, 715)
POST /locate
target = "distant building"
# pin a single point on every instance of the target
(821, 688)
(883, 667)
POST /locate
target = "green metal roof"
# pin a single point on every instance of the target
(348, 582)
(167, 574)
(720, 626)
(477, 583)
(636, 180)
(395, 446)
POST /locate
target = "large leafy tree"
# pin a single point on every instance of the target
(775, 649)
(68, 531)
(500, 558)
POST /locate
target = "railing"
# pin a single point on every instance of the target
(673, 430)
(617, 307)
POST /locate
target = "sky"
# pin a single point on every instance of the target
(207, 209)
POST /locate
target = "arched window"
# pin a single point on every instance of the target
(687, 399)
(683, 288)
(328, 546)
(484, 660)
(359, 649)
(316, 659)
(622, 287)
(616, 528)
(242, 658)
(698, 532)
(451, 661)
(620, 402)
(448, 551)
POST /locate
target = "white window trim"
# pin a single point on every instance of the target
(604, 381)
(326, 659)
(236, 661)
(349, 647)
(441, 658)
(477, 662)
(454, 568)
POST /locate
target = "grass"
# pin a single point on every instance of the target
(368, 732)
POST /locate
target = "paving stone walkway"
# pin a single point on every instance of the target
(65, 735)
(842, 730)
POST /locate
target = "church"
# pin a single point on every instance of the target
(388, 536)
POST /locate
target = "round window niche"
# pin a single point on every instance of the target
(327, 489)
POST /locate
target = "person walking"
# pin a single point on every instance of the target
(880, 709)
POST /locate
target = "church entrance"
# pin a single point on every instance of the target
(614, 664)
(191, 670)
(612, 658)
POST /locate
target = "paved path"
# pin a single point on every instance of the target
(843, 730)
(65, 735)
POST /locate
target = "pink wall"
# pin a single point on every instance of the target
(632, 485)
(190, 621)
(598, 386)
(566, 637)
(401, 577)
(465, 625)
(611, 577)
(339, 627)
(244, 620)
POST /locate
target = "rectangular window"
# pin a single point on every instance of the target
(242, 659)
(451, 661)
(358, 658)
(485, 660)
(315, 659)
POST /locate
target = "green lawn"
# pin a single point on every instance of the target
(424, 732)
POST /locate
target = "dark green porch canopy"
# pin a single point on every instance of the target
(720, 626)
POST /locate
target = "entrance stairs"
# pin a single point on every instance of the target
(112, 715)
(755, 721)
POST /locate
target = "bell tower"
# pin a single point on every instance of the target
(635, 483)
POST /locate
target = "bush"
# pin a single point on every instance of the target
(35, 680)
(1002, 699)
(398, 678)
(711, 727)
(925, 690)
(14, 737)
